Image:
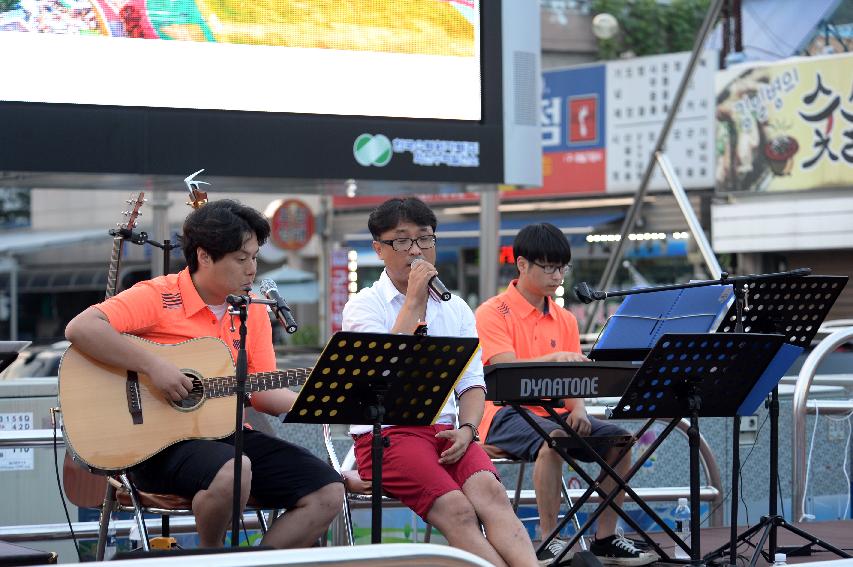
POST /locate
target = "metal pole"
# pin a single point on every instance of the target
(489, 242)
(636, 207)
(798, 418)
(14, 300)
(324, 267)
(689, 214)
(160, 216)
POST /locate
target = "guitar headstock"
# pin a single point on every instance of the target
(132, 215)
(197, 197)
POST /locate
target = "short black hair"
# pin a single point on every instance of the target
(394, 211)
(542, 242)
(220, 227)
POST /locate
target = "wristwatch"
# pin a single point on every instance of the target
(474, 430)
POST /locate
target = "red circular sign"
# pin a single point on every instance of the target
(292, 225)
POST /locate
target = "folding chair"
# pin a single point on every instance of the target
(358, 490)
(122, 496)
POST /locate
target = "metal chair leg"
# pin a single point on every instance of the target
(519, 482)
(104, 523)
(575, 521)
(137, 512)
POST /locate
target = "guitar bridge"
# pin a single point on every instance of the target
(134, 399)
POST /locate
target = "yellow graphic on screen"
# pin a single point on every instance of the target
(425, 27)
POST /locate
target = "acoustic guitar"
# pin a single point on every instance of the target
(115, 418)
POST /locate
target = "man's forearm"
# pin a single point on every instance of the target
(471, 405)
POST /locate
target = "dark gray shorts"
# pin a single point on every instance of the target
(513, 434)
(282, 473)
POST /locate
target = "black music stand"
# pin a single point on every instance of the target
(381, 379)
(794, 307)
(9, 352)
(683, 376)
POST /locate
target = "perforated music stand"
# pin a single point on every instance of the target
(9, 352)
(380, 379)
(684, 375)
(794, 307)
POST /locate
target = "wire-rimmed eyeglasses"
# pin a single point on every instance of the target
(405, 244)
(552, 269)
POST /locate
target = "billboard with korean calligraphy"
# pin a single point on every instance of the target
(600, 124)
(786, 125)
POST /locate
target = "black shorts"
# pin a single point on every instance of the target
(282, 472)
(511, 432)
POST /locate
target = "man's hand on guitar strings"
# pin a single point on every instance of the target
(170, 380)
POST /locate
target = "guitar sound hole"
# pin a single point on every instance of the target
(195, 398)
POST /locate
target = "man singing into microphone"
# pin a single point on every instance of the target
(438, 471)
(524, 323)
(220, 243)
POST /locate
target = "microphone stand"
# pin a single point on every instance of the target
(239, 305)
(587, 295)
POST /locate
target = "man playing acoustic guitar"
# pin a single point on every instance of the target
(220, 243)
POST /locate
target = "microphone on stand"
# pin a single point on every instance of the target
(435, 284)
(586, 294)
(269, 289)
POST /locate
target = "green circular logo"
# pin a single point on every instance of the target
(372, 150)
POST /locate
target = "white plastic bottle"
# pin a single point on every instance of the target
(780, 560)
(682, 527)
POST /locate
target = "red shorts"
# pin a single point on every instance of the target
(410, 468)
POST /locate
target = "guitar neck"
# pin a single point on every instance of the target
(115, 261)
(221, 386)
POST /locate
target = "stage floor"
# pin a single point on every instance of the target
(837, 533)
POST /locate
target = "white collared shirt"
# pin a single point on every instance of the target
(375, 310)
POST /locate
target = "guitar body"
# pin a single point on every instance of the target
(98, 422)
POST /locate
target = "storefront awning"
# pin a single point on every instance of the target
(21, 242)
(467, 234)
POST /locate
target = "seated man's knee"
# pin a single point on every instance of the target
(546, 453)
(332, 495)
(453, 511)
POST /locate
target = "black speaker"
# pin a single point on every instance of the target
(140, 554)
(11, 554)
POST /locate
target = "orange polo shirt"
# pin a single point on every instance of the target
(168, 310)
(508, 323)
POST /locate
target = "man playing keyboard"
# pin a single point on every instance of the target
(525, 324)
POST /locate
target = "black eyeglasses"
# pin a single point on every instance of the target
(405, 244)
(552, 269)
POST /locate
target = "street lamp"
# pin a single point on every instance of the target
(604, 26)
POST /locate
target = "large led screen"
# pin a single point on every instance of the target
(384, 58)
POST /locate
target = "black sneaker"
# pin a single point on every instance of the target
(552, 551)
(640, 544)
(619, 550)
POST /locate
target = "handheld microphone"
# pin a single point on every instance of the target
(435, 284)
(586, 294)
(282, 311)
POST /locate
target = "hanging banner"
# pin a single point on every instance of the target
(785, 126)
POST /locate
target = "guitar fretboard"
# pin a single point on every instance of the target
(221, 386)
(112, 273)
